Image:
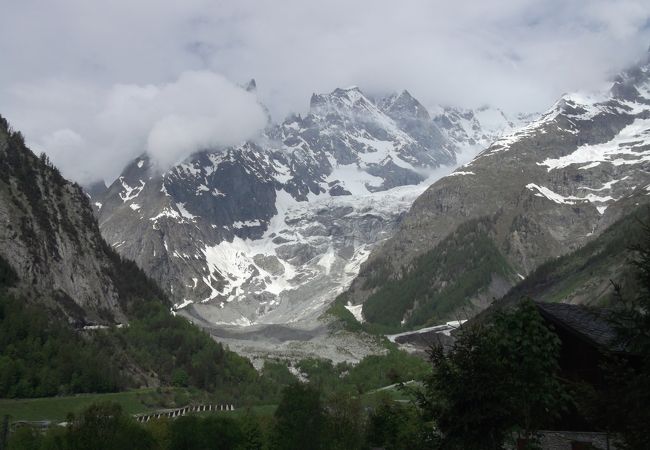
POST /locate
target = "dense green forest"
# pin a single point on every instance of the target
(42, 355)
(372, 372)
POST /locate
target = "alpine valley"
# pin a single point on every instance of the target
(427, 227)
(357, 201)
(254, 242)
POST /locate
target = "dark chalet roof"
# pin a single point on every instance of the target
(590, 324)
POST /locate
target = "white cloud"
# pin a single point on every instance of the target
(201, 110)
(169, 121)
(60, 139)
(62, 58)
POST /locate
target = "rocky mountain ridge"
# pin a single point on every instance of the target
(534, 194)
(271, 230)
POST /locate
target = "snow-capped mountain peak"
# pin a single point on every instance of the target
(404, 105)
(271, 230)
(535, 193)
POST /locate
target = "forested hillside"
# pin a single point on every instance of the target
(77, 317)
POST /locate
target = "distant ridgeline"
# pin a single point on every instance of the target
(58, 278)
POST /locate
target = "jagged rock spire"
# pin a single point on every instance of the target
(251, 86)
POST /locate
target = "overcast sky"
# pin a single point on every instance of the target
(95, 83)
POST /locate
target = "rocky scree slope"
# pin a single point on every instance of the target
(586, 275)
(50, 238)
(538, 193)
(271, 230)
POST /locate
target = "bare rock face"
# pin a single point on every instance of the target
(272, 230)
(533, 195)
(49, 236)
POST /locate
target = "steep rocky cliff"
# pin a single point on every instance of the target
(77, 317)
(49, 236)
(588, 275)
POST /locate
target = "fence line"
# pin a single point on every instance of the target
(179, 412)
(142, 418)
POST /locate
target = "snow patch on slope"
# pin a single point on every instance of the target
(630, 146)
(129, 193)
(545, 192)
(288, 258)
(356, 311)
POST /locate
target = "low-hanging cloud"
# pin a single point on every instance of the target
(63, 58)
(201, 110)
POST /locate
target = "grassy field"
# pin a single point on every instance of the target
(57, 408)
(142, 401)
(133, 402)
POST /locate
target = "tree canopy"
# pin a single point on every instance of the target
(497, 380)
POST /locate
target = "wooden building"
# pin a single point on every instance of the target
(588, 339)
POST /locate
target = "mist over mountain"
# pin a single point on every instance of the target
(91, 91)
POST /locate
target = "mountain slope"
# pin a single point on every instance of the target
(50, 237)
(271, 230)
(440, 281)
(74, 315)
(545, 190)
(479, 127)
(586, 275)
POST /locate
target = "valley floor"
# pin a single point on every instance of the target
(306, 339)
